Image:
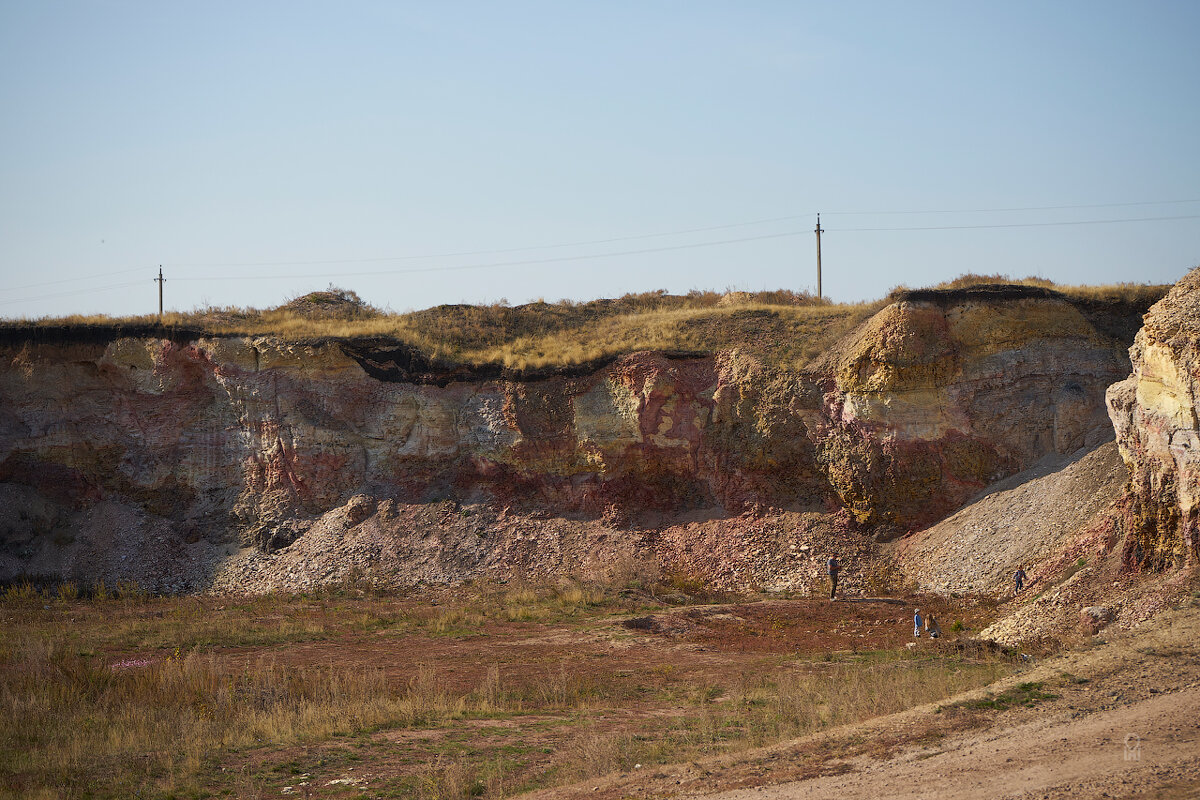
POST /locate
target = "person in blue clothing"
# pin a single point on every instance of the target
(917, 623)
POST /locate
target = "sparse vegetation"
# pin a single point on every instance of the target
(117, 696)
(1023, 694)
(1115, 292)
(782, 327)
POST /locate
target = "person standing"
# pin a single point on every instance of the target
(932, 628)
(1018, 580)
(917, 623)
(833, 576)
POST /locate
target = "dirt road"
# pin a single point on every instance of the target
(1125, 722)
(1151, 747)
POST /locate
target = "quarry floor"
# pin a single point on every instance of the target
(605, 682)
(656, 667)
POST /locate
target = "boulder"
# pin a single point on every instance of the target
(1095, 618)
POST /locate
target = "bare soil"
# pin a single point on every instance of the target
(1120, 718)
(698, 641)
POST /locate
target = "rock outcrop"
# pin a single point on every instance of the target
(211, 441)
(944, 392)
(1155, 412)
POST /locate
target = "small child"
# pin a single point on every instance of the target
(917, 624)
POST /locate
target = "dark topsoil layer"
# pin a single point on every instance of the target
(388, 359)
(383, 358)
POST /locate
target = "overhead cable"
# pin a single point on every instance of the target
(1002, 210)
(788, 218)
(593, 256)
(527, 262)
(76, 279)
(1016, 224)
(505, 250)
(72, 292)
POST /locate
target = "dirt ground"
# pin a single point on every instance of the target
(1151, 748)
(684, 687)
(650, 666)
(1121, 719)
(703, 641)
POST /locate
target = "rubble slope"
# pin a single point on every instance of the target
(1020, 522)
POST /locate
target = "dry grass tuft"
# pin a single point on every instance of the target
(769, 708)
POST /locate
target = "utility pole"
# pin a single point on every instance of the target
(159, 279)
(818, 231)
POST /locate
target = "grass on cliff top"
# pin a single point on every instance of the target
(1127, 293)
(782, 328)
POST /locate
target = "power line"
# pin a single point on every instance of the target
(1017, 224)
(527, 262)
(643, 251)
(561, 259)
(680, 232)
(788, 218)
(1000, 210)
(73, 292)
(77, 280)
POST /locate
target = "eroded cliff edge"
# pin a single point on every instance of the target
(193, 443)
(1155, 412)
(944, 392)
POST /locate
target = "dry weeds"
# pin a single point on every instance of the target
(100, 704)
(783, 328)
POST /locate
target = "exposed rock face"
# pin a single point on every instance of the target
(944, 392)
(253, 438)
(1155, 413)
(262, 430)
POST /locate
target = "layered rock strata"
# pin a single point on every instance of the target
(944, 392)
(1155, 412)
(250, 439)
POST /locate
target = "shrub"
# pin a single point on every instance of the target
(130, 590)
(22, 594)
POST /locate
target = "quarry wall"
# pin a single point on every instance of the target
(221, 439)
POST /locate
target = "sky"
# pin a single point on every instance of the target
(479, 152)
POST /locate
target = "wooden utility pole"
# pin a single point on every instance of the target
(160, 283)
(818, 231)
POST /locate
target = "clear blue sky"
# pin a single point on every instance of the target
(227, 140)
